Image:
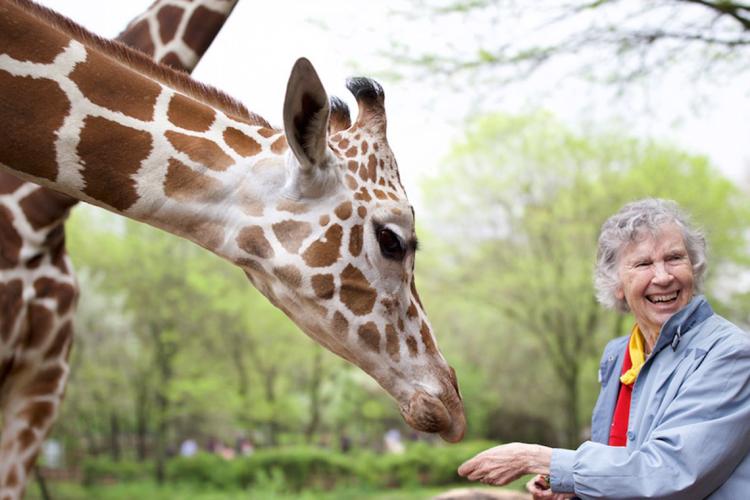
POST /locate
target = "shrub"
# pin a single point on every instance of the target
(104, 470)
(300, 467)
(204, 469)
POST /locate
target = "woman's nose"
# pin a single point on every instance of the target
(661, 273)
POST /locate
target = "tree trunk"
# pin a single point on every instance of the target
(572, 420)
(316, 380)
(141, 419)
(114, 437)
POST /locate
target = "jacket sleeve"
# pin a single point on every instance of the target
(701, 438)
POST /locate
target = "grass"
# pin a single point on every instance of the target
(148, 490)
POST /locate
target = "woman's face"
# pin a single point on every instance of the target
(656, 278)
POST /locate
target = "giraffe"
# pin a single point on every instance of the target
(37, 285)
(314, 213)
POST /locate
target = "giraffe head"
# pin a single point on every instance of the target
(336, 246)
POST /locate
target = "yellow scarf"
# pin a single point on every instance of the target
(637, 356)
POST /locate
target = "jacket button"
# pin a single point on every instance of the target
(631, 435)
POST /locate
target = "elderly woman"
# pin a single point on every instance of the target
(673, 415)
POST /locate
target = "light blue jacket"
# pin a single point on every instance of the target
(689, 425)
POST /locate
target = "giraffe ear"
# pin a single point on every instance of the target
(306, 114)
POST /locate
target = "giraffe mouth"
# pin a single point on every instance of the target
(428, 413)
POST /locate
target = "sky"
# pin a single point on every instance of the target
(253, 54)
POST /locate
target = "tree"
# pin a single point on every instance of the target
(536, 194)
(607, 40)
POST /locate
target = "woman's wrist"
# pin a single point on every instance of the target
(539, 459)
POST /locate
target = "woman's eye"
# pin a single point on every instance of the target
(391, 245)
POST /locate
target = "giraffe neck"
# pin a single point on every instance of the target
(135, 142)
(177, 32)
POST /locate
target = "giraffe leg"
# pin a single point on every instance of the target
(34, 387)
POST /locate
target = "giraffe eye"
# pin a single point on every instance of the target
(391, 245)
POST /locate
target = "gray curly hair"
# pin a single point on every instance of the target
(629, 225)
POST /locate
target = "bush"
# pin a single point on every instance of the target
(300, 468)
(290, 470)
(427, 465)
(204, 469)
(105, 470)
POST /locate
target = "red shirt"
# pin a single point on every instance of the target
(618, 432)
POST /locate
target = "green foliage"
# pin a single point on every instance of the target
(99, 470)
(521, 308)
(297, 469)
(204, 469)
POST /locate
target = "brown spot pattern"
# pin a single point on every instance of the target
(291, 234)
(266, 132)
(138, 36)
(324, 220)
(412, 310)
(36, 414)
(189, 114)
(45, 382)
(11, 480)
(241, 143)
(427, 340)
(43, 207)
(26, 438)
(252, 240)
(340, 325)
(23, 44)
(372, 167)
(326, 250)
(392, 345)
(294, 207)
(60, 347)
(31, 119)
(63, 293)
(116, 87)
(411, 343)
(356, 240)
(11, 302)
(323, 285)
(356, 292)
(288, 275)
(344, 211)
(200, 150)
(370, 336)
(111, 154)
(361, 211)
(169, 18)
(185, 184)
(173, 60)
(202, 21)
(9, 183)
(10, 250)
(279, 145)
(363, 195)
(40, 325)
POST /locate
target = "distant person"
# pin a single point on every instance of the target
(188, 448)
(673, 415)
(392, 441)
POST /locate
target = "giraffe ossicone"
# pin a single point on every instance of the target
(319, 221)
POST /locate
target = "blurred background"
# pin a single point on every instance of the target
(519, 127)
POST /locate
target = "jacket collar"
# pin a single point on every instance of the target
(697, 311)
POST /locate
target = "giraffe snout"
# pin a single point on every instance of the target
(444, 415)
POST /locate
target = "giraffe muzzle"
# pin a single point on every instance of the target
(444, 416)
